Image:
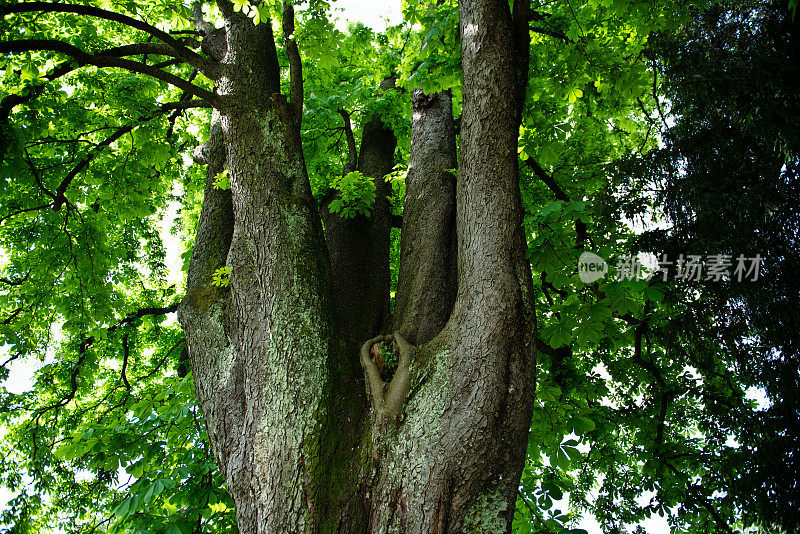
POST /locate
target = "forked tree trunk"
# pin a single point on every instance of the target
(304, 446)
(359, 247)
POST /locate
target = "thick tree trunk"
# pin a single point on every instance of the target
(259, 348)
(450, 458)
(441, 447)
(426, 285)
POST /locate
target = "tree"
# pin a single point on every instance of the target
(744, 105)
(359, 346)
(282, 397)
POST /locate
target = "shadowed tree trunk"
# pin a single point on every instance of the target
(426, 285)
(309, 440)
(359, 247)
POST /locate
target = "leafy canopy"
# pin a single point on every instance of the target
(642, 402)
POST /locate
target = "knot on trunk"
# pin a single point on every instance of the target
(215, 40)
(387, 398)
(215, 43)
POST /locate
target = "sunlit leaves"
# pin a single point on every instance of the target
(222, 180)
(356, 195)
(221, 277)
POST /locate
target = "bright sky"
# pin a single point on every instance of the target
(372, 13)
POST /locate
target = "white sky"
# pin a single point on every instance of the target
(372, 13)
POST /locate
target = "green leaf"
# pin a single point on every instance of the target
(582, 425)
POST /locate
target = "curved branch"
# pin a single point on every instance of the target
(60, 199)
(47, 7)
(84, 58)
(373, 375)
(401, 382)
(388, 400)
(86, 343)
(11, 101)
(21, 211)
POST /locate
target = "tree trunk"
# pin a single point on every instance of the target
(259, 349)
(359, 247)
(426, 284)
(441, 447)
(450, 460)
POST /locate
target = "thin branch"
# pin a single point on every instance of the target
(86, 343)
(59, 199)
(295, 64)
(84, 58)
(21, 211)
(185, 97)
(555, 34)
(11, 316)
(47, 7)
(11, 101)
(17, 282)
(581, 231)
(37, 175)
(126, 350)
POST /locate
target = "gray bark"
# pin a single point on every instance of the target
(259, 349)
(305, 440)
(450, 461)
(426, 284)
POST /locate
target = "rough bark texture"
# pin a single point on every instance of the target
(359, 247)
(304, 446)
(451, 460)
(259, 349)
(426, 285)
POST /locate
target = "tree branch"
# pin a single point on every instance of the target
(84, 345)
(352, 152)
(581, 231)
(388, 399)
(126, 351)
(84, 58)
(555, 34)
(21, 211)
(60, 199)
(180, 49)
(11, 101)
(136, 49)
(295, 64)
(547, 180)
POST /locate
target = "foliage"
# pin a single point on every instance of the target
(356, 195)
(222, 180)
(637, 114)
(222, 277)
